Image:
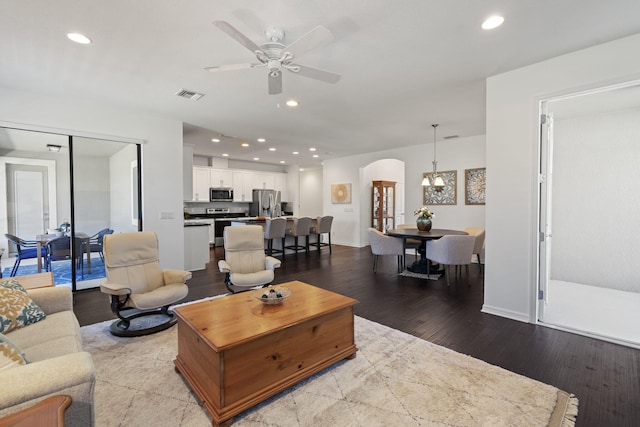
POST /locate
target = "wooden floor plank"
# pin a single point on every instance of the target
(604, 376)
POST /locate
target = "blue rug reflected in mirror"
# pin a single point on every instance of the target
(62, 271)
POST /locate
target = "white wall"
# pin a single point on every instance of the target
(512, 159)
(597, 190)
(311, 199)
(456, 154)
(120, 189)
(162, 175)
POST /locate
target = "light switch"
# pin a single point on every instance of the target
(167, 215)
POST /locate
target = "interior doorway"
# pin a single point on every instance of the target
(589, 205)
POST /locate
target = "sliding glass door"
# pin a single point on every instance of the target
(64, 193)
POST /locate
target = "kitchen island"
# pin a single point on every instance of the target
(196, 246)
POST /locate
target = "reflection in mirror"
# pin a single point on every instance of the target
(86, 184)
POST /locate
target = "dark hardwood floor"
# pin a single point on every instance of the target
(605, 377)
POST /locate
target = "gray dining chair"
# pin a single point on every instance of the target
(381, 244)
(478, 246)
(451, 250)
(274, 228)
(301, 228)
(323, 226)
(411, 243)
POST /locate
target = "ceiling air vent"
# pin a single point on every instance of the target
(451, 137)
(189, 94)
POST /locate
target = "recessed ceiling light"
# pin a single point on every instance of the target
(301, 170)
(316, 156)
(215, 140)
(79, 38)
(492, 22)
(244, 144)
(312, 149)
(272, 149)
(282, 161)
(292, 103)
(225, 155)
(295, 152)
(256, 158)
(262, 140)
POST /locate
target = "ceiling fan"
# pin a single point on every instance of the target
(276, 56)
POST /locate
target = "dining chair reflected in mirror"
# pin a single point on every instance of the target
(25, 249)
(59, 249)
(96, 242)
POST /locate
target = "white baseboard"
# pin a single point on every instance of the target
(509, 314)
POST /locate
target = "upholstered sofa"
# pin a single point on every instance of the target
(57, 364)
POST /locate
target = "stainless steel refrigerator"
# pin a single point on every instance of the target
(266, 203)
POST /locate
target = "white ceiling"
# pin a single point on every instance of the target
(404, 64)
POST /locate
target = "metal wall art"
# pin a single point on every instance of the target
(474, 186)
(448, 196)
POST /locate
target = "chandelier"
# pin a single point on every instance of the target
(438, 182)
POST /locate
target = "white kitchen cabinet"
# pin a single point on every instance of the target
(201, 183)
(221, 177)
(242, 186)
(280, 184)
(262, 180)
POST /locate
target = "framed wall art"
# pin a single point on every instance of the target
(474, 186)
(448, 196)
(340, 193)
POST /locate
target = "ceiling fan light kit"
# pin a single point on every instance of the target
(276, 56)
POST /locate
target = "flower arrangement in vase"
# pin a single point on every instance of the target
(423, 221)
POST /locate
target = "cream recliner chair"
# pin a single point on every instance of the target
(245, 263)
(137, 283)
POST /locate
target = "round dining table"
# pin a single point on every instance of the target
(421, 266)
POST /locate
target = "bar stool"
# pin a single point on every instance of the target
(300, 228)
(274, 229)
(323, 225)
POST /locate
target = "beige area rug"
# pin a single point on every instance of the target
(395, 380)
(408, 273)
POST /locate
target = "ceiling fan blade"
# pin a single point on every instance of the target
(233, 67)
(315, 73)
(237, 35)
(314, 38)
(275, 84)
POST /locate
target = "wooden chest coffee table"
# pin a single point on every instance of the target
(235, 351)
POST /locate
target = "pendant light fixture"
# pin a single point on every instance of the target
(438, 182)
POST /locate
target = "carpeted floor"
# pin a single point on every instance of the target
(395, 379)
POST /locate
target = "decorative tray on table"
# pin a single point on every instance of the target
(271, 295)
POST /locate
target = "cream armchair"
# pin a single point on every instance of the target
(135, 280)
(245, 264)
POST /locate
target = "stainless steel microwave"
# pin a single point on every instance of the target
(221, 194)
